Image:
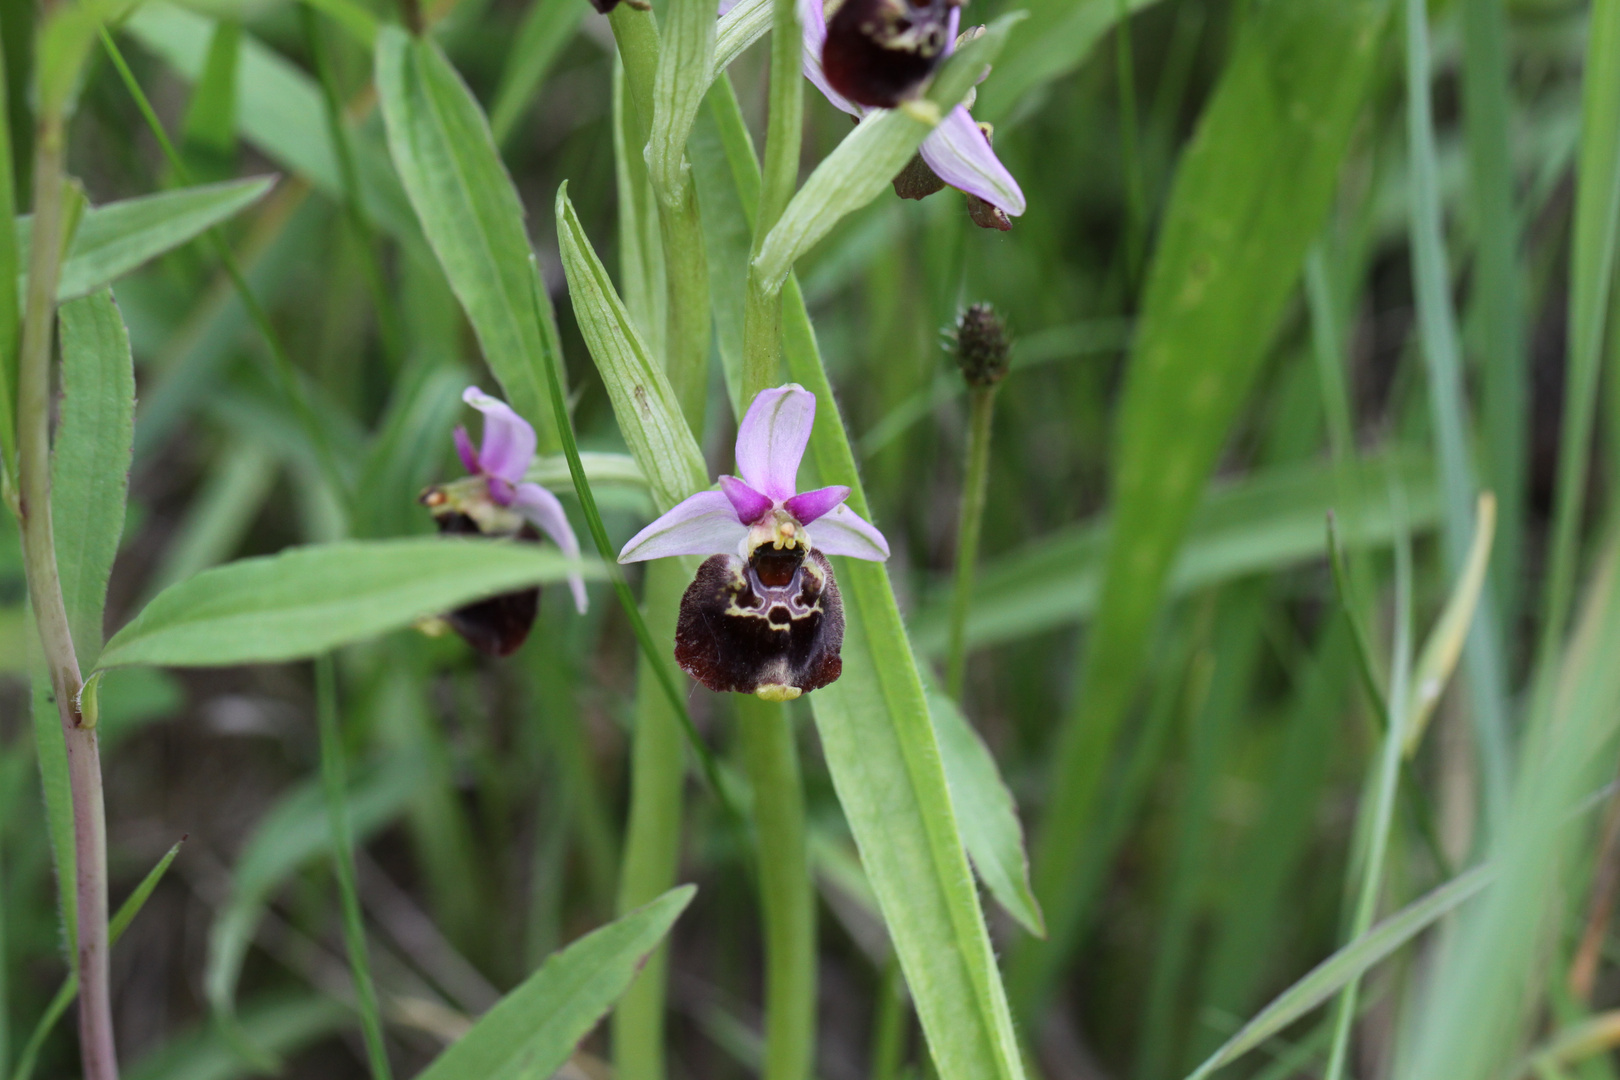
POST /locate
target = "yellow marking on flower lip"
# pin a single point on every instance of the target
(777, 692)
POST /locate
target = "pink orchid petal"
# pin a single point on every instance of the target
(810, 505)
(508, 439)
(705, 524)
(772, 438)
(953, 27)
(465, 449)
(749, 504)
(543, 509)
(961, 156)
(844, 532)
(813, 23)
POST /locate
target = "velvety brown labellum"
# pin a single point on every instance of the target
(772, 625)
(499, 625)
(878, 52)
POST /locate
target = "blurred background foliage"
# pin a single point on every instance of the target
(1210, 869)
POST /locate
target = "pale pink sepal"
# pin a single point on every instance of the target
(704, 524)
(961, 156)
(844, 532)
(749, 504)
(542, 508)
(509, 441)
(810, 505)
(772, 438)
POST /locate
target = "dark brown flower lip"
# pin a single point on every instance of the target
(879, 52)
(497, 625)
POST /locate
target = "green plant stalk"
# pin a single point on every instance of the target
(284, 373)
(889, 1028)
(982, 408)
(96, 1046)
(762, 311)
(335, 781)
(8, 307)
(365, 235)
(686, 275)
(1383, 809)
(765, 732)
(1437, 325)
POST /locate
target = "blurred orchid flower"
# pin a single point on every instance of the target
(957, 152)
(495, 500)
(763, 615)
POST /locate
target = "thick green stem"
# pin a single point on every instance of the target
(50, 613)
(765, 732)
(889, 1029)
(334, 780)
(982, 406)
(653, 836)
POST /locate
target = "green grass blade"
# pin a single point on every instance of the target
(1249, 197)
(114, 239)
(90, 466)
(1483, 662)
(535, 1028)
(1056, 40)
(121, 919)
(547, 27)
(307, 600)
(474, 221)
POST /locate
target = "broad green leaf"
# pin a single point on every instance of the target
(279, 109)
(1350, 962)
(308, 600)
(121, 919)
(877, 734)
(864, 164)
(1265, 522)
(114, 239)
(547, 27)
(446, 157)
(1249, 197)
(293, 833)
(643, 400)
(685, 57)
(90, 462)
(535, 1028)
(985, 811)
(1055, 40)
(208, 137)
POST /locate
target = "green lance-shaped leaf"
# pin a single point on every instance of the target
(685, 57)
(293, 833)
(90, 462)
(535, 1028)
(307, 600)
(446, 157)
(62, 47)
(114, 239)
(1249, 197)
(1445, 642)
(985, 811)
(866, 161)
(1350, 962)
(643, 400)
(740, 27)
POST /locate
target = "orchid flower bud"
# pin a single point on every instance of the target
(982, 345)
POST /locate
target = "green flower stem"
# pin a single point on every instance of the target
(982, 408)
(762, 313)
(653, 833)
(680, 228)
(96, 1047)
(765, 732)
(334, 780)
(889, 1028)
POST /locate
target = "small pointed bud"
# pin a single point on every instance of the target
(986, 216)
(982, 346)
(879, 52)
(917, 180)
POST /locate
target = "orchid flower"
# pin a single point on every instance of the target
(957, 150)
(496, 500)
(763, 615)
